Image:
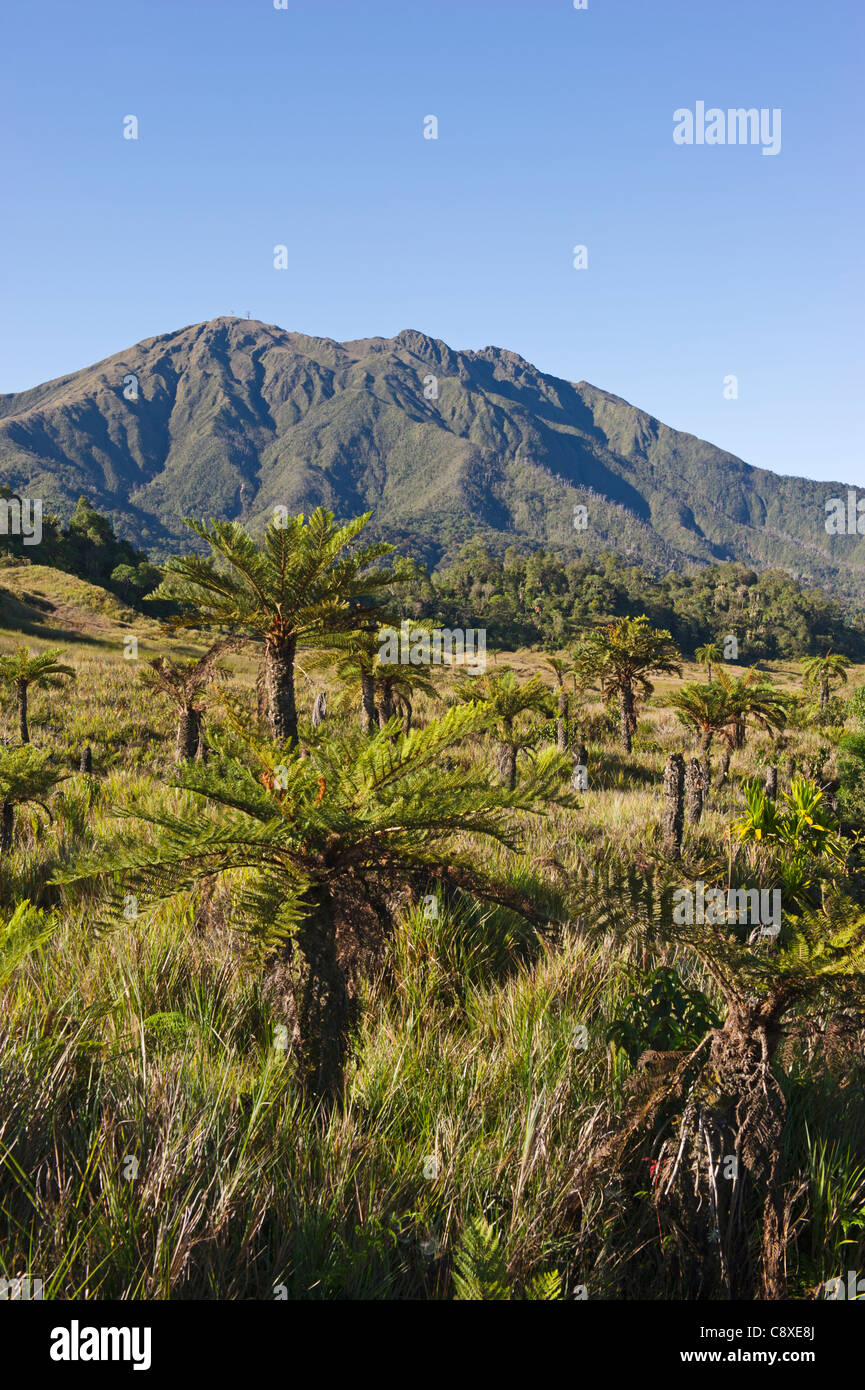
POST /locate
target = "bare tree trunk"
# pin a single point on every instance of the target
(693, 792)
(21, 687)
(771, 782)
(674, 806)
(279, 681)
(86, 763)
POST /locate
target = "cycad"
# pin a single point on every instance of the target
(749, 695)
(182, 684)
(509, 701)
(560, 669)
(25, 776)
(622, 656)
(22, 670)
(386, 688)
(316, 848)
(708, 710)
(707, 654)
(822, 672)
(298, 585)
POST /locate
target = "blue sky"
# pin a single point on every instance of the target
(304, 126)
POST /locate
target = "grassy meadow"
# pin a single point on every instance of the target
(155, 1142)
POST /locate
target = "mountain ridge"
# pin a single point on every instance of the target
(233, 417)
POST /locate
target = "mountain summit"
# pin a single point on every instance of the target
(233, 417)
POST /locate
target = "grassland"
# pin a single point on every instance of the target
(153, 1140)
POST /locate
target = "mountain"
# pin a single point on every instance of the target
(233, 417)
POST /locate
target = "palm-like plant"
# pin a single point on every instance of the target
(508, 702)
(622, 655)
(397, 684)
(386, 688)
(560, 669)
(708, 710)
(749, 695)
(299, 585)
(317, 845)
(357, 663)
(183, 683)
(22, 670)
(707, 654)
(25, 776)
(822, 672)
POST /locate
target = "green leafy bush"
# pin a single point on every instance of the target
(662, 1012)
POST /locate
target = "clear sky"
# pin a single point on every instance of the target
(303, 126)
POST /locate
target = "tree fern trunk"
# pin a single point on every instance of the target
(323, 1004)
(674, 805)
(279, 681)
(187, 735)
(627, 716)
(22, 711)
(562, 722)
(387, 709)
(7, 826)
(367, 695)
(507, 760)
(724, 765)
(319, 709)
(706, 744)
(693, 792)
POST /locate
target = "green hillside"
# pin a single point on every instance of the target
(233, 417)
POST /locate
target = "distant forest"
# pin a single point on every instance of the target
(540, 599)
(525, 599)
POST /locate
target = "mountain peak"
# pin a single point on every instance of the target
(233, 416)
